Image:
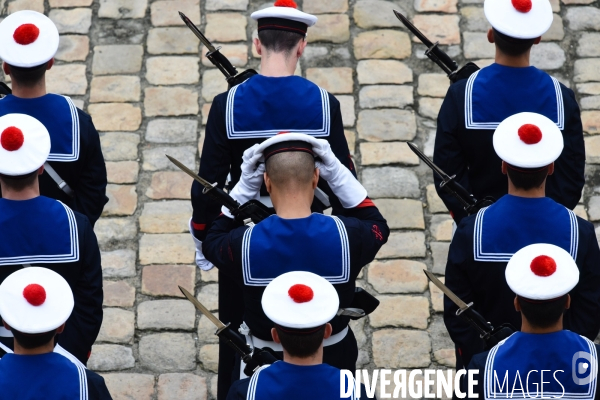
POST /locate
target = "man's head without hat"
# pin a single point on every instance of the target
(300, 304)
(542, 275)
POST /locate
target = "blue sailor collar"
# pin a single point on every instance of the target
(59, 116)
(48, 376)
(521, 358)
(291, 104)
(496, 92)
(40, 231)
(277, 245)
(514, 222)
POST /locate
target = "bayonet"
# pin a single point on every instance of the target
(197, 32)
(455, 299)
(220, 326)
(207, 185)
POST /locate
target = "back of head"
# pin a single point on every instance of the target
(512, 46)
(527, 178)
(291, 170)
(28, 77)
(301, 343)
(279, 41)
(543, 314)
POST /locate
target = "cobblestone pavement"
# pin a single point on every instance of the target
(135, 68)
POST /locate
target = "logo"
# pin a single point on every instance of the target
(584, 368)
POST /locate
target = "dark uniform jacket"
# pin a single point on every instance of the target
(45, 233)
(75, 152)
(484, 243)
(471, 112)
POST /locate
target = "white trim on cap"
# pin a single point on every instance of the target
(470, 124)
(74, 155)
(289, 13)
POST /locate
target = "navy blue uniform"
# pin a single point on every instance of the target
(472, 110)
(484, 243)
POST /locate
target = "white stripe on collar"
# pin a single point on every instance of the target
(75, 134)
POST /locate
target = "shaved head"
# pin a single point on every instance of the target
(291, 170)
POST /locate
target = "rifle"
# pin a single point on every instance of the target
(218, 59)
(437, 55)
(470, 204)
(490, 335)
(254, 358)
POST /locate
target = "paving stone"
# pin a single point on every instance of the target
(386, 125)
(120, 9)
(237, 54)
(402, 213)
(118, 263)
(226, 27)
(118, 294)
(212, 84)
(162, 13)
(172, 41)
(73, 48)
(441, 227)
(334, 28)
(446, 6)
(19, 5)
(446, 357)
(117, 326)
(594, 208)
(127, 386)
(430, 107)
(209, 295)
(548, 56)
(122, 200)
(67, 79)
(322, 7)
(581, 212)
(164, 280)
(347, 109)
(376, 96)
(174, 101)
(375, 14)
(213, 386)
(442, 28)
(181, 387)
(209, 357)
(205, 111)
(77, 20)
(129, 59)
(216, 5)
(400, 348)
(172, 130)
(434, 203)
(169, 185)
(118, 146)
(387, 153)
(477, 45)
(590, 103)
(116, 116)
(588, 88)
(591, 122)
(172, 70)
(587, 70)
(210, 276)
(351, 139)
(474, 18)
(383, 71)
(122, 172)
(166, 217)
(166, 249)
(334, 80)
(583, 18)
(110, 357)
(70, 3)
(166, 352)
(166, 314)
(398, 276)
(382, 44)
(403, 245)
(437, 296)
(155, 159)
(107, 89)
(439, 252)
(587, 45)
(401, 311)
(556, 31)
(555, 5)
(390, 182)
(114, 230)
(206, 329)
(433, 85)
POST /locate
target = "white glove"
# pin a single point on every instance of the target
(201, 261)
(341, 181)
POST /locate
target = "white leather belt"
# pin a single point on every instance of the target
(330, 341)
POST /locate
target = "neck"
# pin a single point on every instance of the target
(315, 359)
(47, 348)
(27, 193)
(521, 61)
(29, 92)
(277, 65)
(531, 193)
(292, 207)
(526, 327)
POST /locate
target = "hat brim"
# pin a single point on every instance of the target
(505, 18)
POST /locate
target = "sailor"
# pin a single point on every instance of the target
(542, 359)
(474, 107)
(75, 169)
(300, 304)
(35, 303)
(334, 247)
(264, 105)
(528, 145)
(45, 232)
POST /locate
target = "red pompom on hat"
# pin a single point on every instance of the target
(286, 3)
(530, 134)
(12, 138)
(26, 34)
(523, 6)
(543, 266)
(301, 293)
(34, 294)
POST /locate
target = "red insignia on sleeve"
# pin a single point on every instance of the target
(377, 232)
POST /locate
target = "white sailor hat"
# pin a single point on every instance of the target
(24, 144)
(519, 19)
(528, 140)
(300, 300)
(284, 16)
(286, 141)
(35, 300)
(27, 39)
(541, 272)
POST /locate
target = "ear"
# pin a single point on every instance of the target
(6, 326)
(550, 169)
(516, 303)
(568, 303)
(6, 68)
(316, 175)
(257, 46)
(267, 180)
(60, 329)
(50, 64)
(301, 48)
(490, 35)
(504, 167)
(275, 336)
(41, 170)
(537, 40)
(328, 330)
